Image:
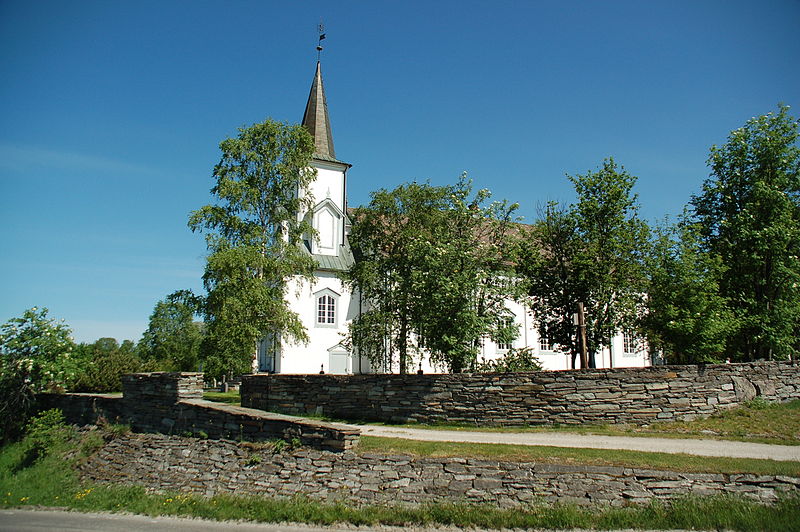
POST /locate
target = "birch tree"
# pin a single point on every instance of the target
(253, 235)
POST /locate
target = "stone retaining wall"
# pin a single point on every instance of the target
(211, 467)
(626, 395)
(172, 403)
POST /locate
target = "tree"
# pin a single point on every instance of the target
(254, 236)
(432, 266)
(104, 362)
(591, 252)
(611, 263)
(686, 316)
(548, 260)
(470, 276)
(749, 215)
(391, 240)
(36, 353)
(172, 336)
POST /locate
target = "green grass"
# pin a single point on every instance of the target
(50, 481)
(756, 421)
(232, 398)
(563, 455)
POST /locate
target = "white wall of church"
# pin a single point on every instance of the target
(329, 184)
(323, 350)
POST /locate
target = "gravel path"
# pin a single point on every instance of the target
(733, 449)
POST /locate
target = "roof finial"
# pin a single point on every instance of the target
(321, 30)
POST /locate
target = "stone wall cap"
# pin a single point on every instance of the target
(272, 416)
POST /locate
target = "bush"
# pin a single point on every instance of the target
(104, 362)
(521, 359)
(36, 354)
(44, 432)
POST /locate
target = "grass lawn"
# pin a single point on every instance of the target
(232, 398)
(563, 455)
(757, 421)
(48, 480)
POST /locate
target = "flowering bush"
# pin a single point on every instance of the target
(35, 355)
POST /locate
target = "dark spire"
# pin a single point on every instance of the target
(316, 119)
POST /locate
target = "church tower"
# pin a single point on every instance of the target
(327, 306)
(328, 215)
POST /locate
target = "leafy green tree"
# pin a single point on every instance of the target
(611, 264)
(391, 240)
(172, 336)
(432, 266)
(105, 361)
(549, 260)
(254, 237)
(749, 216)
(469, 276)
(686, 317)
(592, 253)
(37, 355)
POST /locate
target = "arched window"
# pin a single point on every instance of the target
(327, 301)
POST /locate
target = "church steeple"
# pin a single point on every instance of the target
(316, 119)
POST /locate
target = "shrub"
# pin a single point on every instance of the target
(521, 359)
(104, 362)
(44, 432)
(36, 354)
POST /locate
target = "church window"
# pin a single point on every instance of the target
(327, 301)
(504, 343)
(327, 221)
(326, 310)
(544, 344)
(629, 343)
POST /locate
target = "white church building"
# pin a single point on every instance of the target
(327, 306)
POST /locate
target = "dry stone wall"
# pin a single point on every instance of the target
(172, 403)
(208, 467)
(626, 395)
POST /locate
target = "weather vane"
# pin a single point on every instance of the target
(321, 30)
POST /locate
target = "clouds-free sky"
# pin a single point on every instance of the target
(111, 114)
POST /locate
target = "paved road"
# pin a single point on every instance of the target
(732, 449)
(60, 521)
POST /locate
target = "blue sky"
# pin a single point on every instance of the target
(111, 114)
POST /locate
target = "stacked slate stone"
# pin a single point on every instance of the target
(600, 396)
(171, 403)
(212, 467)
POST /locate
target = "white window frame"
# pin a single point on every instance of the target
(330, 312)
(545, 344)
(630, 344)
(337, 217)
(506, 321)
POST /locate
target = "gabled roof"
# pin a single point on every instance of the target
(333, 263)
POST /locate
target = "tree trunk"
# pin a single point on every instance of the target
(403, 346)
